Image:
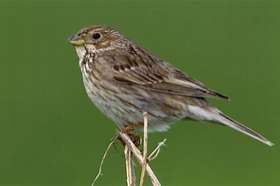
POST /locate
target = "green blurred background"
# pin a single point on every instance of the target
(51, 134)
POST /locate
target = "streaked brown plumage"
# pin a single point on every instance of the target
(124, 80)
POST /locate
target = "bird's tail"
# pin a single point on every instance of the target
(226, 120)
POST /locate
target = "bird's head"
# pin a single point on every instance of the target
(96, 39)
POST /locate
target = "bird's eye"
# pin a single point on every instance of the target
(96, 36)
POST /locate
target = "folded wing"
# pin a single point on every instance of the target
(159, 76)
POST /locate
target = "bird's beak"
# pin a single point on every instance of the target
(76, 40)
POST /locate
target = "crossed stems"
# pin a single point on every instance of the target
(131, 149)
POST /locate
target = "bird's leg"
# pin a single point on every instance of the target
(130, 131)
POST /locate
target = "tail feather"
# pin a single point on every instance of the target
(226, 120)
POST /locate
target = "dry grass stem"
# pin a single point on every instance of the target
(130, 171)
(102, 160)
(130, 150)
(156, 151)
(126, 139)
(145, 149)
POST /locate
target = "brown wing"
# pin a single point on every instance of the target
(148, 72)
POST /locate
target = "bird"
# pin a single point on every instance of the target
(124, 80)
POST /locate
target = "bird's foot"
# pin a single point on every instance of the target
(130, 131)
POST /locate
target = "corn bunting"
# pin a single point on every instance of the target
(124, 80)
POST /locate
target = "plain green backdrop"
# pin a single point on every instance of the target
(51, 134)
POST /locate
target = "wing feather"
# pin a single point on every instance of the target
(154, 75)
